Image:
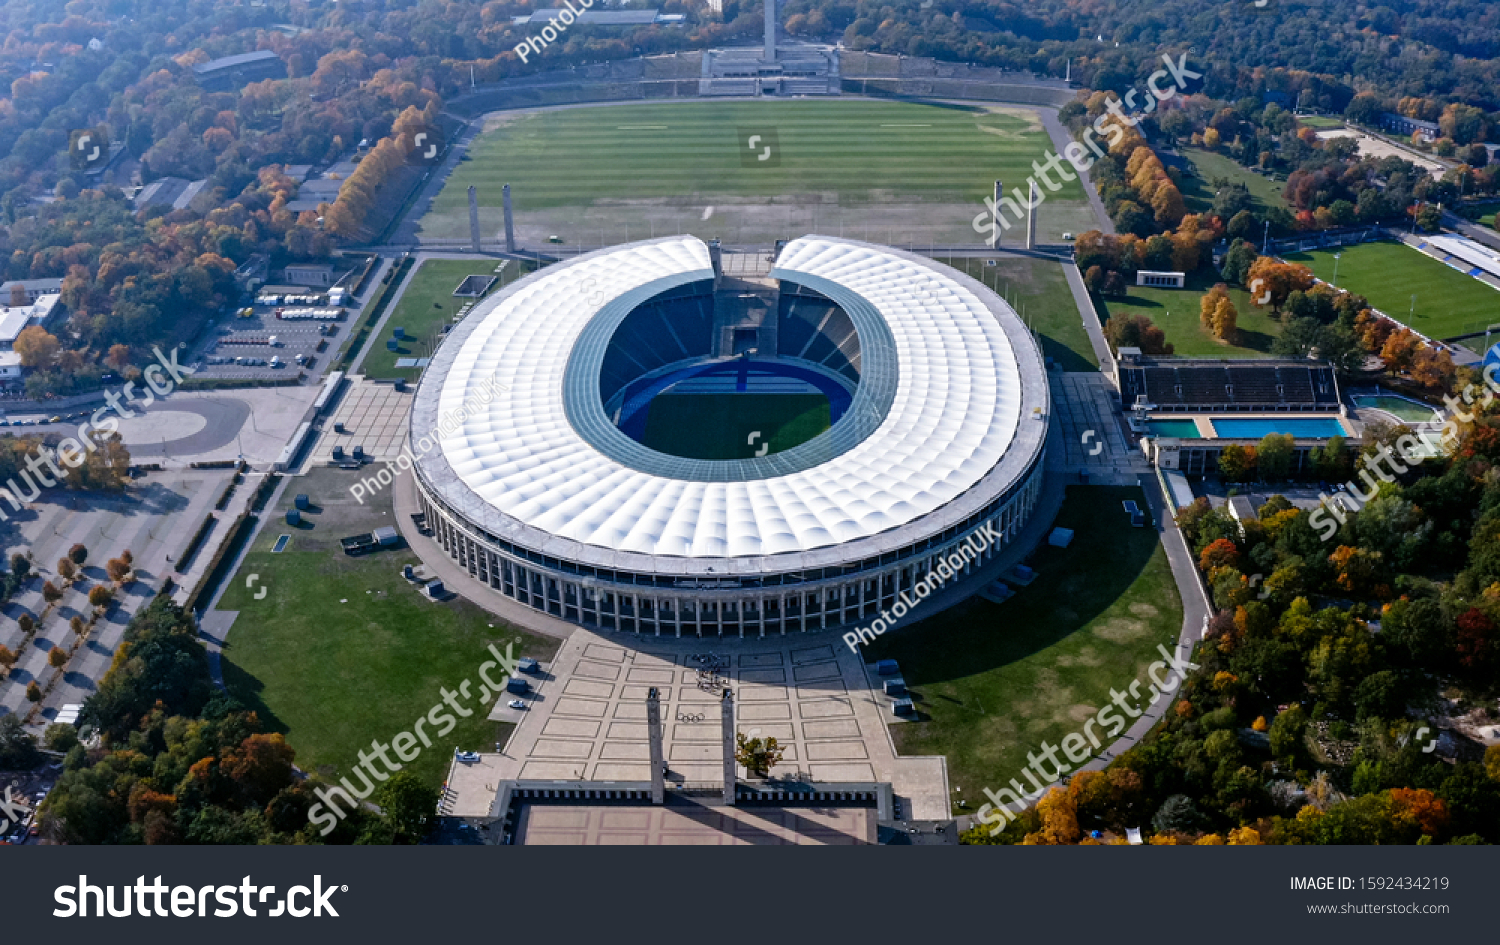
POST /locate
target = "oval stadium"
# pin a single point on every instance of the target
(636, 440)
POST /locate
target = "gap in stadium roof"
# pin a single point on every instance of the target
(755, 368)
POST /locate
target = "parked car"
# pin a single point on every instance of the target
(466, 756)
(517, 703)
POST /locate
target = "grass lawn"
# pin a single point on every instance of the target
(424, 308)
(1038, 289)
(720, 426)
(1321, 122)
(992, 681)
(1176, 312)
(619, 172)
(342, 650)
(1448, 302)
(1198, 191)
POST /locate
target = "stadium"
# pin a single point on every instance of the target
(681, 448)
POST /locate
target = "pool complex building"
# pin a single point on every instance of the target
(1187, 410)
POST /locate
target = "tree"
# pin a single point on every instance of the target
(79, 554)
(1274, 455)
(1400, 349)
(7, 657)
(50, 593)
(66, 569)
(262, 766)
(17, 746)
(1225, 323)
(1270, 282)
(1059, 816)
(757, 755)
(100, 595)
(60, 736)
(26, 622)
(1237, 462)
(33, 692)
(1137, 331)
(1238, 260)
(1211, 138)
(1287, 732)
(117, 569)
(408, 803)
(1219, 553)
(77, 625)
(37, 347)
(1178, 814)
(56, 657)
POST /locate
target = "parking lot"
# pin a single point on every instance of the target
(263, 347)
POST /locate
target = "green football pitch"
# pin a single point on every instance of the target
(1448, 302)
(733, 426)
(896, 172)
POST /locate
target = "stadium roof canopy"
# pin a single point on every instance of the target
(936, 420)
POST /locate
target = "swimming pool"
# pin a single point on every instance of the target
(1399, 407)
(1184, 429)
(1243, 428)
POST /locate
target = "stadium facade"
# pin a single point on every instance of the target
(541, 494)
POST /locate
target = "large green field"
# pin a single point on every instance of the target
(343, 650)
(733, 426)
(426, 305)
(1176, 311)
(612, 173)
(1198, 190)
(1448, 302)
(992, 681)
(1038, 290)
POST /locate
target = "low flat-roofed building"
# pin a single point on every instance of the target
(34, 289)
(320, 275)
(172, 192)
(233, 72)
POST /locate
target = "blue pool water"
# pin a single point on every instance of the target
(1184, 429)
(1248, 428)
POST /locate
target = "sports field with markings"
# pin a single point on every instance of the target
(888, 171)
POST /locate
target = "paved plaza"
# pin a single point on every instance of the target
(375, 416)
(1092, 437)
(587, 719)
(155, 520)
(691, 825)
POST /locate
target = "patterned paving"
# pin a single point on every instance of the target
(587, 717)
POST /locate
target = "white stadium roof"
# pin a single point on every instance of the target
(954, 409)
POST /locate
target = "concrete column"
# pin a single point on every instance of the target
(653, 726)
(1031, 205)
(770, 50)
(510, 225)
(995, 233)
(730, 775)
(473, 219)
